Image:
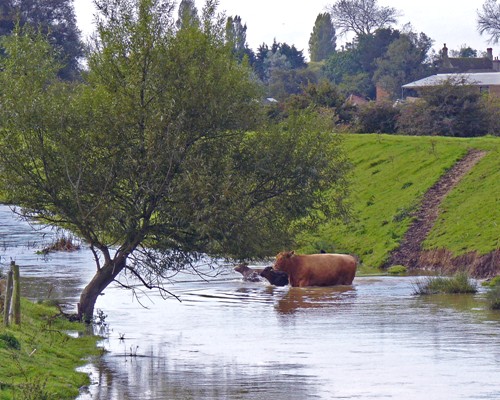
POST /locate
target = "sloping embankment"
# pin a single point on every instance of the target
(410, 253)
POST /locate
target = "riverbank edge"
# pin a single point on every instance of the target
(41, 356)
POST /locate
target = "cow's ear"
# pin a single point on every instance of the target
(291, 253)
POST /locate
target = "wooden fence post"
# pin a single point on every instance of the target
(16, 293)
(8, 299)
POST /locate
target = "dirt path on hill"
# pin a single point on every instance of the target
(409, 252)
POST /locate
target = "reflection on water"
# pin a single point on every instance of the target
(315, 297)
(229, 339)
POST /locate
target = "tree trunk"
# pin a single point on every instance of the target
(99, 282)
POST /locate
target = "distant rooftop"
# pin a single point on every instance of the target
(472, 78)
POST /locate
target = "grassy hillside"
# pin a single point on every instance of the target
(391, 174)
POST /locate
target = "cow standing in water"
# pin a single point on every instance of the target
(317, 269)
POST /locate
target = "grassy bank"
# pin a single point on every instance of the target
(391, 174)
(38, 358)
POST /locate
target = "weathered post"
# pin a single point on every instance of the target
(8, 299)
(16, 293)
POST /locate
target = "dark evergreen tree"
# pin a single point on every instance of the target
(294, 56)
(260, 57)
(277, 57)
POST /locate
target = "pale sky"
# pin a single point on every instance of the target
(445, 21)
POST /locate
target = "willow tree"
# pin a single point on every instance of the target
(155, 160)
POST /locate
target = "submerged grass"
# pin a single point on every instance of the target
(38, 359)
(459, 283)
(493, 297)
(493, 293)
(391, 174)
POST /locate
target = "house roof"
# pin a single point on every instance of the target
(466, 64)
(473, 78)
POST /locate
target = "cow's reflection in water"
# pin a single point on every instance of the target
(314, 298)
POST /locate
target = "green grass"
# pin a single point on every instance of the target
(470, 215)
(391, 174)
(457, 284)
(44, 365)
(397, 270)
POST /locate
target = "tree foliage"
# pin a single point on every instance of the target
(282, 69)
(340, 65)
(353, 68)
(322, 42)
(488, 20)
(405, 60)
(156, 160)
(236, 34)
(369, 48)
(465, 51)
(187, 14)
(54, 18)
(278, 56)
(362, 17)
(454, 108)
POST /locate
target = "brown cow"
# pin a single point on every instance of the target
(317, 269)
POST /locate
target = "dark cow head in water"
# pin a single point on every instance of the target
(277, 278)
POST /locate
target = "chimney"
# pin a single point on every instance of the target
(445, 59)
(444, 52)
(489, 52)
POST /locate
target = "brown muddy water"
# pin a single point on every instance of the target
(229, 339)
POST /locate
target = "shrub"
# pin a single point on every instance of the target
(414, 119)
(376, 117)
(459, 283)
(454, 108)
(491, 105)
(9, 341)
(492, 282)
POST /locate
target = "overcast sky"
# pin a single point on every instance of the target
(445, 21)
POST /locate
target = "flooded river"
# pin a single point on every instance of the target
(229, 339)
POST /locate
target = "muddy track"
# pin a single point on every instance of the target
(409, 252)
